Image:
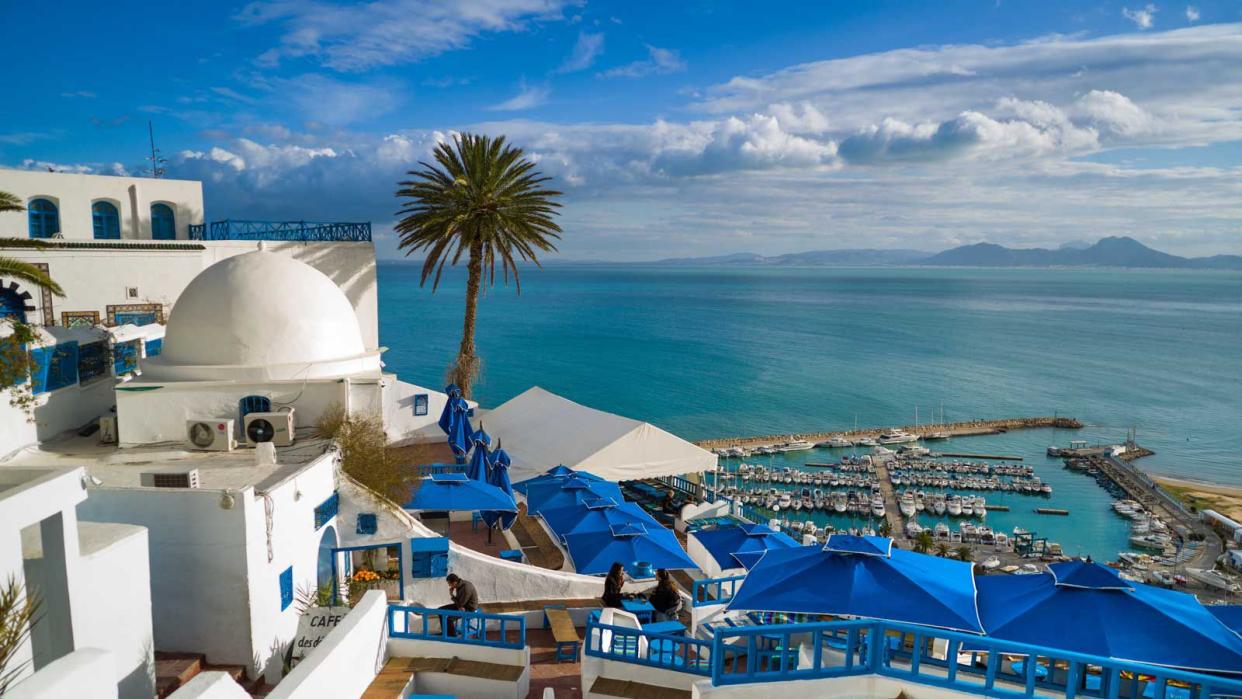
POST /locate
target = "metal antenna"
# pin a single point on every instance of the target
(157, 162)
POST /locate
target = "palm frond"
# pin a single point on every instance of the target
(10, 202)
(26, 272)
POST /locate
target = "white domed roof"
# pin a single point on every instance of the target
(265, 313)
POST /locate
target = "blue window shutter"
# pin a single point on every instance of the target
(367, 523)
(42, 358)
(125, 357)
(155, 346)
(286, 588)
(327, 510)
(92, 361)
(163, 222)
(43, 218)
(106, 221)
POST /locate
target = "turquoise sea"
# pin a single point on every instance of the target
(713, 352)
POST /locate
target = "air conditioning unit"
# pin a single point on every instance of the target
(210, 434)
(276, 428)
(171, 479)
(107, 429)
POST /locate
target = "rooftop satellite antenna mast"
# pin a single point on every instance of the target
(157, 161)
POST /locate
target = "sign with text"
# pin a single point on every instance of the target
(313, 627)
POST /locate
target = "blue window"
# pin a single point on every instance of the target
(55, 367)
(253, 404)
(155, 346)
(12, 305)
(107, 221)
(327, 510)
(420, 404)
(286, 588)
(44, 218)
(163, 222)
(125, 357)
(92, 361)
(367, 523)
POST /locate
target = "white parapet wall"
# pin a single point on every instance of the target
(75, 675)
(347, 659)
(210, 685)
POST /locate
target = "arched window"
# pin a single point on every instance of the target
(12, 305)
(44, 218)
(163, 222)
(106, 220)
(254, 404)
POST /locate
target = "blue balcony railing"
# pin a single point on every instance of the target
(961, 662)
(710, 591)
(469, 628)
(302, 231)
(662, 650)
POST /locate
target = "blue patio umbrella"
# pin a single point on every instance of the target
(1088, 608)
(453, 492)
(594, 552)
(594, 515)
(446, 416)
(556, 474)
(500, 478)
(742, 545)
(480, 461)
(460, 431)
(862, 576)
(1229, 614)
(570, 492)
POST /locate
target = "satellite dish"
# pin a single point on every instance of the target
(260, 430)
(201, 435)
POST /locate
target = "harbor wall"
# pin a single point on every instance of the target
(954, 429)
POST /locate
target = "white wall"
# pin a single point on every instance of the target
(113, 593)
(74, 194)
(347, 659)
(94, 278)
(75, 675)
(210, 685)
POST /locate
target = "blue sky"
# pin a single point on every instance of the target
(674, 128)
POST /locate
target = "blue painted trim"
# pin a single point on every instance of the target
(472, 626)
(348, 549)
(713, 591)
(286, 588)
(666, 651)
(163, 222)
(327, 510)
(305, 231)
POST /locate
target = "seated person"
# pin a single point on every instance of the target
(612, 586)
(465, 599)
(665, 598)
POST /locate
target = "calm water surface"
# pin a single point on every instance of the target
(721, 352)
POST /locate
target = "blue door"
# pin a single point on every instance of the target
(106, 220)
(44, 218)
(163, 223)
(324, 567)
(12, 305)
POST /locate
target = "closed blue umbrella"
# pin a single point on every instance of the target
(453, 492)
(446, 415)
(594, 552)
(480, 460)
(862, 577)
(500, 478)
(1088, 608)
(460, 431)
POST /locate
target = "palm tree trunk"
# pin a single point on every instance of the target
(467, 368)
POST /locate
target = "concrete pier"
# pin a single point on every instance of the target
(953, 429)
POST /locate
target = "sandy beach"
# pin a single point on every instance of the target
(1225, 499)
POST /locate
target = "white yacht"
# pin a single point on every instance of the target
(835, 443)
(907, 504)
(796, 445)
(865, 442)
(877, 506)
(953, 504)
(897, 437)
(1211, 578)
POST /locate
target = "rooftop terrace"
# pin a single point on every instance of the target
(304, 231)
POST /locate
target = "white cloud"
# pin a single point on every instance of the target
(1143, 18)
(1192, 13)
(527, 97)
(1115, 112)
(658, 62)
(75, 168)
(800, 118)
(586, 50)
(367, 35)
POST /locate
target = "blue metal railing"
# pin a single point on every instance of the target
(471, 628)
(426, 470)
(957, 661)
(308, 231)
(662, 650)
(709, 591)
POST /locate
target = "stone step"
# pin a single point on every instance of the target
(173, 669)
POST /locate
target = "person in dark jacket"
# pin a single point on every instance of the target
(465, 599)
(665, 598)
(612, 586)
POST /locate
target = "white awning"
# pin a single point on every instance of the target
(540, 430)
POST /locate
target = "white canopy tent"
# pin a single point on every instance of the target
(540, 430)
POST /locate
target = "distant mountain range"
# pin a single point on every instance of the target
(1107, 252)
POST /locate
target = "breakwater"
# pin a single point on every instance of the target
(952, 429)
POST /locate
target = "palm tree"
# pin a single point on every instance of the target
(23, 271)
(483, 199)
(964, 553)
(924, 541)
(942, 550)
